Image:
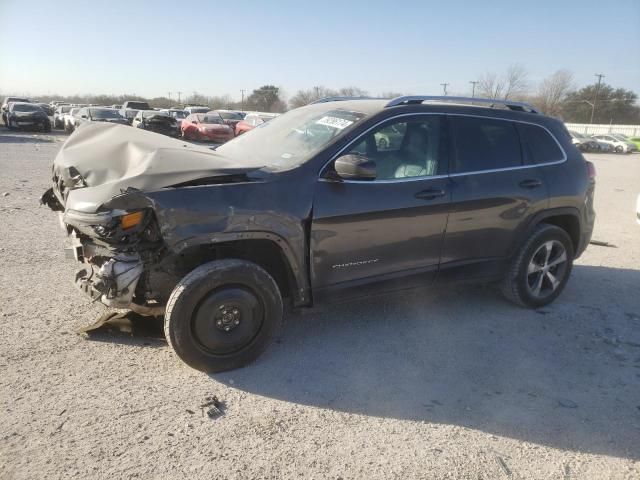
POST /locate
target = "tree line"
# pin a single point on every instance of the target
(556, 95)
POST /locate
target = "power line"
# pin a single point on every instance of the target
(595, 98)
(473, 91)
(444, 88)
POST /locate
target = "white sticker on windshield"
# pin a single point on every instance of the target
(334, 122)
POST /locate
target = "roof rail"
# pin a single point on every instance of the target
(340, 99)
(492, 102)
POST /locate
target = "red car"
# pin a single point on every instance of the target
(206, 126)
(252, 120)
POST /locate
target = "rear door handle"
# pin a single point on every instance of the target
(430, 194)
(532, 183)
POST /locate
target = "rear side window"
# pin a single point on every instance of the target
(485, 144)
(539, 145)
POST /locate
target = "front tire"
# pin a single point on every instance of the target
(541, 268)
(223, 315)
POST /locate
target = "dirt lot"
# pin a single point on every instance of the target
(455, 384)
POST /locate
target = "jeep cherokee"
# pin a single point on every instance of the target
(313, 205)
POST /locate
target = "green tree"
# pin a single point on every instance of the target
(265, 99)
(612, 105)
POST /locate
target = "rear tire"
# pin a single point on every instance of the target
(223, 315)
(541, 268)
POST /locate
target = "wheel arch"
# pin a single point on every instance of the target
(268, 250)
(566, 218)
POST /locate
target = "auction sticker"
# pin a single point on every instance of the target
(334, 122)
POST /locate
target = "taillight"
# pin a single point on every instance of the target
(591, 169)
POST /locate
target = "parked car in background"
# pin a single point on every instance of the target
(48, 109)
(603, 147)
(7, 101)
(58, 115)
(98, 114)
(584, 142)
(252, 120)
(619, 146)
(178, 114)
(70, 120)
(27, 115)
(116, 107)
(623, 138)
(196, 109)
(130, 109)
(635, 141)
(155, 121)
(206, 126)
(230, 117)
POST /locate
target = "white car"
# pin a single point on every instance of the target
(618, 145)
(58, 115)
(623, 138)
(638, 210)
(68, 120)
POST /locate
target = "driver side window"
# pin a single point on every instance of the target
(406, 148)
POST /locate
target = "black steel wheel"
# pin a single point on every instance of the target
(223, 315)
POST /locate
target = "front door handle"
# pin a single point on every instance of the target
(531, 183)
(430, 194)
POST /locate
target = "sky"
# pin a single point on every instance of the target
(152, 47)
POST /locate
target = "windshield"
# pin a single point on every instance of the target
(65, 109)
(216, 119)
(103, 113)
(230, 115)
(130, 113)
(179, 114)
(578, 135)
(25, 107)
(617, 136)
(291, 139)
(138, 105)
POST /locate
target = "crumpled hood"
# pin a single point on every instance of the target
(100, 161)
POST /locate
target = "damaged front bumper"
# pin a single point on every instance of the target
(113, 282)
(112, 251)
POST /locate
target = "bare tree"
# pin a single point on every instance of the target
(352, 92)
(552, 92)
(513, 84)
(516, 81)
(490, 85)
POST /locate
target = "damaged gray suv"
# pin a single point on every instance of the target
(341, 198)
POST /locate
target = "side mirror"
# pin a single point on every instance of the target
(355, 167)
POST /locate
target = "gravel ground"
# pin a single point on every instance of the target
(448, 384)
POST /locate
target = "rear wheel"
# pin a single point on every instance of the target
(540, 270)
(223, 315)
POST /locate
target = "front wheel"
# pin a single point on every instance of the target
(223, 315)
(541, 268)
(619, 149)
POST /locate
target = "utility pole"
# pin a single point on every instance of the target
(595, 98)
(317, 89)
(473, 90)
(169, 98)
(242, 100)
(179, 93)
(444, 88)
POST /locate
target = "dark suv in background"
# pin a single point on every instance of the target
(339, 198)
